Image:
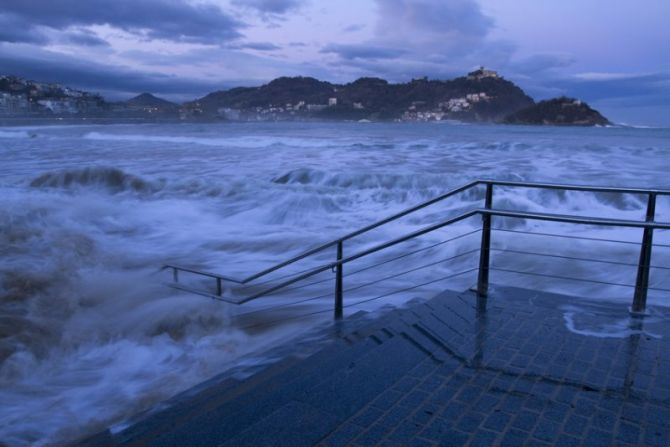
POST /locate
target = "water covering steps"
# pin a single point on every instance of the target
(529, 367)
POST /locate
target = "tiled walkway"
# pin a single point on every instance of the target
(527, 369)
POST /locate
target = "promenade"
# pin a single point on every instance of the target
(523, 368)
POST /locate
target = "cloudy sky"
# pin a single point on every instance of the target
(615, 54)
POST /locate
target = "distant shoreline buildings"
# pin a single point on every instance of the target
(480, 96)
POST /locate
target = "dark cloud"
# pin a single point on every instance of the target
(45, 66)
(439, 17)
(175, 20)
(259, 46)
(268, 8)
(85, 38)
(353, 28)
(362, 51)
(15, 29)
(653, 88)
(542, 62)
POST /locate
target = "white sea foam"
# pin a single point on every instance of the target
(88, 334)
(247, 141)
(14, 134)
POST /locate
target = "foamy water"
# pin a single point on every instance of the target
(89, 335)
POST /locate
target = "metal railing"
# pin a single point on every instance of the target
(484, 267)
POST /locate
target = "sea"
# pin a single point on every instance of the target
(91, 333)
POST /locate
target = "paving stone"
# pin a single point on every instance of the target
(373, 435)
(470, 422)
(469, 393)
(597, 438)
(484, 438)
(628, 433)
(512, 403)
(486, 403)
(437, 429)
(535, 403)
(497, 421)
(342, 436)
(556, 411)
(395, 415)
(453, 411)
(419, 442)
(567, 441)
(575, 425)
(547, 430)
(387, 399)
(405, 431)
(525, 420)
(367, 416)
(454, 438)
(308, 426)
(656, 435)
(604, 420)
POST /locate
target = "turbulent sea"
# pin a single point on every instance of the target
(90, 334)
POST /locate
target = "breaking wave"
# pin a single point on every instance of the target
(241, 142)
(14, 134)
(111, 179)
(361, 180)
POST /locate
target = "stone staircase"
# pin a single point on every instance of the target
(444, 371)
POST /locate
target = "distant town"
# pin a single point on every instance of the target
(480, 96)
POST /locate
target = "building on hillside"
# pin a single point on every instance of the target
(482, 73)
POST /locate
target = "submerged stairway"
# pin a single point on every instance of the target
(491, 366)
(447, 371)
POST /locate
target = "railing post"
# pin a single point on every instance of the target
(338, 284)
(219, 288)
(175, 274)
(642, 281)
(485, 250)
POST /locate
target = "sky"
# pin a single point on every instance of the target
(614, 54)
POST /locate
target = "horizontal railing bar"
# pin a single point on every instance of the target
(178, 286)
(201, 272)
(267, 324)
(369, 267)
(361, 231)
(414, 269)
(569, 278)
(572, 258)
(283, 305)
(574, 219)
(453, 275)
(585, 188)
(537, 233)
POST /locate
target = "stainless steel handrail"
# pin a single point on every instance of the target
(583, 188)
(584, 220)
(500, 213)
(649, 225)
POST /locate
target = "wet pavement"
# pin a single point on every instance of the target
(520, 368)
